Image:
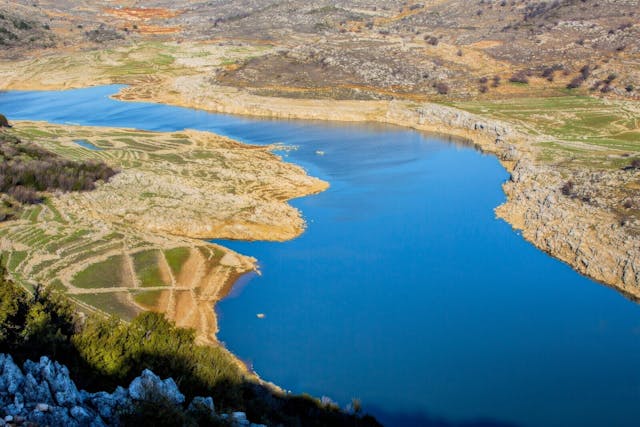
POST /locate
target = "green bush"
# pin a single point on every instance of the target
(27, 168)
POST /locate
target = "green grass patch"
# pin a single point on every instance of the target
(69, 240)
(34, 212)
(30, 132)
(629, 136)
(147, 269)
(176, 258)
(15, 259)
(211, 253)
(105, 274)
(111, 302)
(58, 286)
(148, 299)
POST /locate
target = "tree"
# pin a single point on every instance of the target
(4, 123)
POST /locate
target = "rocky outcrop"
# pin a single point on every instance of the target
(43, 394)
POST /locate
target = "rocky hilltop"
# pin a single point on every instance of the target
(43, 394)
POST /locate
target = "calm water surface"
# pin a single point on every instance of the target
(405, 291)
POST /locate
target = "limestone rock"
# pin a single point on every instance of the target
(149, 386)
(42, 393)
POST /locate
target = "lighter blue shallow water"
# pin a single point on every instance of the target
(86, 144)
(405, 291)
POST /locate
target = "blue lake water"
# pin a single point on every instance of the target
(405, 291)
(86, 144)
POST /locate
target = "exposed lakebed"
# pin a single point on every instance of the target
(404, 291)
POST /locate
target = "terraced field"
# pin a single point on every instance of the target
(134, 243)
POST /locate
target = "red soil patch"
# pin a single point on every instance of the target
(142, 13)
(155, 29)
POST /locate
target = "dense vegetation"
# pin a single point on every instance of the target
(27, 169)
(102, 353)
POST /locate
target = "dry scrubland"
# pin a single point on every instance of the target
(551, 88)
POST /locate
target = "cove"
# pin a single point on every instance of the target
(404, 291)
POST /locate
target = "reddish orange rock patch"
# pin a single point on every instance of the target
(142, 13)
(155, 29)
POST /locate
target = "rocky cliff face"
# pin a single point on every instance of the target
(43, 394)
(590, 238)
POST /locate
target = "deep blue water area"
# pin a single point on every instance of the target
(405, 291)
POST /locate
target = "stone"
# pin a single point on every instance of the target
(240, 418)
(149, 386)
(42, 407)
(81, 414)
(37, 391)
(202, 405)
(45, 395)
(12, 377)
(57, 378)
(107, 405)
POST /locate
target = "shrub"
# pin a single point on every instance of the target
(567, 188)
(585, 72)
(442, 88)
(4, 123)
(549, 72)
(519, 77)
(432, 40)
(576, 82)
(24, 195)
(28, 169)
(606, 88)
